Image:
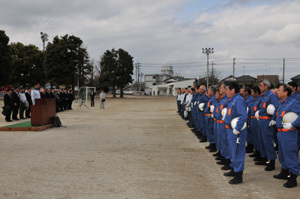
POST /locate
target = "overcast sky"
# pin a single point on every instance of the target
(258, 33)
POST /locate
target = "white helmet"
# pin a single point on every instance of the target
(201, 106)
(271, 109)
(289, 117)
(234, 121)
(212, 108)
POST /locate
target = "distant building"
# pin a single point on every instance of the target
(274, 79)
(296, 79)
(230, 78)
(166, 76)
(171, 88)
(246, 80)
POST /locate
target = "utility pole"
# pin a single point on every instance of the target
(212, 72)
(207, 51)
(283, 69)
(233, 67)
(138, 75)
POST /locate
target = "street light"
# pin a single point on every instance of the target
(207, 51)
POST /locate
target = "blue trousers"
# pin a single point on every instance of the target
(224, 140)
(210, 130)
(288, 151)
(254, 131)
(178, 105)
(260, 143)
(249, 138)
(217, 136)
(267, 136)
(237, 151)
(203, 123)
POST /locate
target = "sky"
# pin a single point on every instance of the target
(257, 33)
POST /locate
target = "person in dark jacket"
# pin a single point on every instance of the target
(92, 98)
(28, 97)
(8, 104)
(16, 104)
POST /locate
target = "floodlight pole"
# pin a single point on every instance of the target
(207, 51)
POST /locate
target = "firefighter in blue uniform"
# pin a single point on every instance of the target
(287, 137)
(257, 142)
(249, 101)
(236, 137)
(209, 121)
(204, 99)
(218, 98)
(265, 124)
(222, 131)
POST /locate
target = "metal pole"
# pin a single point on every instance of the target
(283, 69)
(207, 70)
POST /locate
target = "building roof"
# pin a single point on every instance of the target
(296, 77)
(229, 78)
(245, 77)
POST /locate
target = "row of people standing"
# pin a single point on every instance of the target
(18, 101)
(229, 118)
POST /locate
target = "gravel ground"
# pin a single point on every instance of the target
(138, 147)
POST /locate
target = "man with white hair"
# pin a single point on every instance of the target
(265, 124)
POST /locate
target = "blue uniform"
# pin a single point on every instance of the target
(197, 112)
(266, 131)
(209, 121)
(257, 139)
(287, 139)
(249, 101)
(221, 130)
(192, 116)
(236, 108)
(204, 99)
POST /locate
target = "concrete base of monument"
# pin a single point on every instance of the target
(25, 126)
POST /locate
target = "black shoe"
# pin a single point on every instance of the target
(282, 175)
(292, 181)
(255, 154)
(208, 147)
(8, 120)
(263, 161)
(249, 148)
(16, 119)
(203, 139)
(222, 162)
(230, 173)
(238, 178)
(271, 166)
(227, 165)
(213, 148)
(218, 154)
(257, 158)
(219, 158)
(22, 118)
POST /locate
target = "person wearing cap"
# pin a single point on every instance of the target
(294, 87)
(16, 102)
(8, 104)
(35, 93)
(287, 137)
(23, 103)
(265, 124)
(236, 134)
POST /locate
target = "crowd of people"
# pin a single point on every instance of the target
(236, 121)
(18, 101)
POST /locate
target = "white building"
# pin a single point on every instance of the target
(159, 79)
(171, 88)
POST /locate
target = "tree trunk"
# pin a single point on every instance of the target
(121, 93)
